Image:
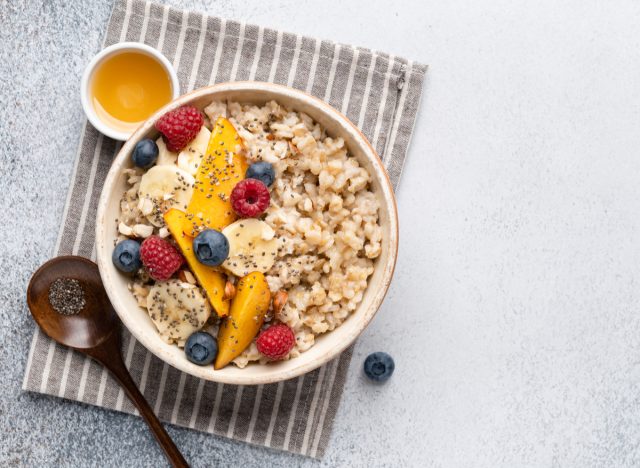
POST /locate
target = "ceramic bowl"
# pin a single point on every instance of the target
(327, 346)
(85, 84)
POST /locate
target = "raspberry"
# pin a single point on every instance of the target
(179, 127)
(250, 198)
(276, 341)
(161, 258)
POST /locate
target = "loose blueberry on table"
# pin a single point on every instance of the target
(379, 366)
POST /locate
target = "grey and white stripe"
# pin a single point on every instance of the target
(379, 92)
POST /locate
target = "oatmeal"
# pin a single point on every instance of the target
(315, 242)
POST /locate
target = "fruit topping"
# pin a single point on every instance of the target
(165, 157)
(160, 257)
(276, 341)
(248, 309)
(161, 188)
(250, 198)
(145, 153)
(177, 309)
(190, 157)
(379, 366)
(210, 280)
(126, 256)
(221, 168)
(211, 247)
(201, 348)
(252, 247)
(179, 127)
(263, 171)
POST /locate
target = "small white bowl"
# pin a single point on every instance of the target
(327, 346)
(85, 92)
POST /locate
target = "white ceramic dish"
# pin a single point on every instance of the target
(327, 346)
(85, 92)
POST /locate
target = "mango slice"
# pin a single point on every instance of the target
(248, 309)
(211, 280)
(221, 168)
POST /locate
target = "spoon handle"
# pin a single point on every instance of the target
(108, 353)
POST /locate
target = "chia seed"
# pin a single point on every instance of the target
(66, 296)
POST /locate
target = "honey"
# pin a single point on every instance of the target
(127, 87)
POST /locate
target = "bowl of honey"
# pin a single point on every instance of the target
(124, 85)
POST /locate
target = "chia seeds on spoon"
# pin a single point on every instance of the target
(66, 296)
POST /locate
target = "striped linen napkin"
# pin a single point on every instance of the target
(380, 93)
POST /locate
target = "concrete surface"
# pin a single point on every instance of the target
(514, 316)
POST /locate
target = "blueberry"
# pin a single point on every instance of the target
(263, 171)
(145, 153)
(126, 256)
(379, 366)
(201, 348)
(211, 247)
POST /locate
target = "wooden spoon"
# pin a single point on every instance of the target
(94, 330)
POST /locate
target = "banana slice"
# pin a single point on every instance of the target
(190, 157)
(252, 247)
(177, 309)
(164, 187)
(165, 157)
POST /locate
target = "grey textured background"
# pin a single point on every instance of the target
(514, 314)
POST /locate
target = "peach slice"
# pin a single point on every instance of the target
(248, 309)
(221, 168)
(211, 280)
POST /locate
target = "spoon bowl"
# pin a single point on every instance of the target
(95, 322)
(94, 330)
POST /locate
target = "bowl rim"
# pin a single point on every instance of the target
(388, 198)
(89, 70)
